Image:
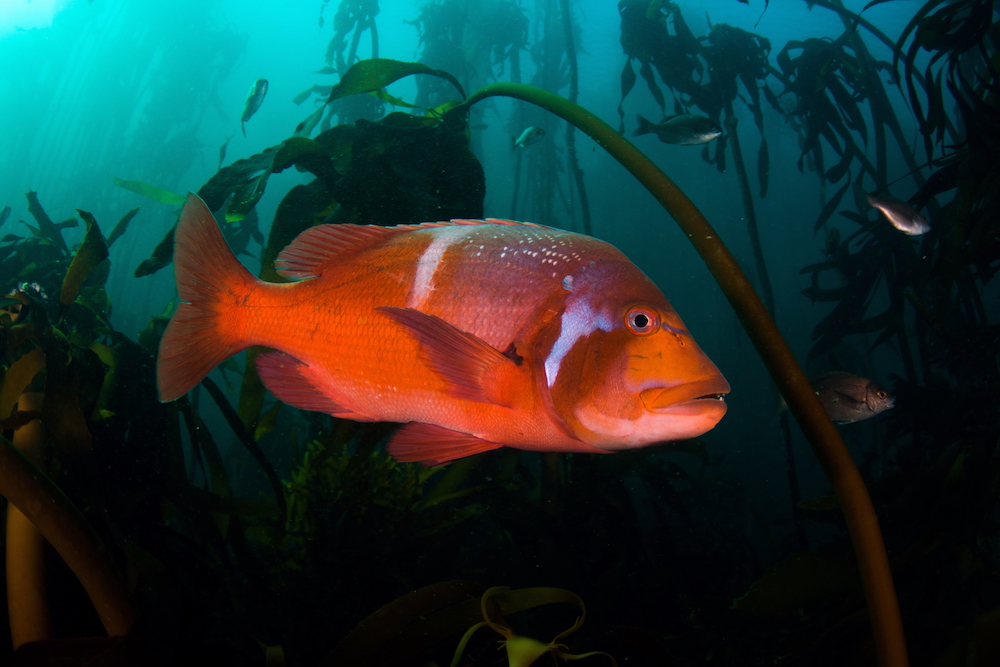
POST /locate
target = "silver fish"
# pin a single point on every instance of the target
(686, 129)
(901, 216)
(254, 99)
(851, 398)
(530, 136)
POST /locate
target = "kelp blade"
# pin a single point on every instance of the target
(151, 191)
(92, 252)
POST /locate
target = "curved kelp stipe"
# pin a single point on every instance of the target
(777, 356)
(60, 522)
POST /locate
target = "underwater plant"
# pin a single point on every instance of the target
(704, 72)
(54, 381)
(523, 651)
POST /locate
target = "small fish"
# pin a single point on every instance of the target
(686, 129)
(474, 334)
(530, 136)
(222, 150)
(254, 99)
(33, 287)
(4, 214)
(901, 216)
(851, 398)
(305, 128)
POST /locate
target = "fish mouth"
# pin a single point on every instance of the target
(690, 398)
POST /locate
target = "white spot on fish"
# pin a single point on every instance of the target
(427, 265)
(578, 321)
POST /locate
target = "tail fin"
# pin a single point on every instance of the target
(210, 282)
(644, 126)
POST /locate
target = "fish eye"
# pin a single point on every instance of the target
(642, 321)
(882, 394)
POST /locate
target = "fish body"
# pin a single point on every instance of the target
(474, 334)
(851, 398)
(253, 101)
(222, 150)
(305, 128)
(530, 136)
(686, 129)
(901, 216)
(4, 214)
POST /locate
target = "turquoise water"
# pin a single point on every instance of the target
(149, 92)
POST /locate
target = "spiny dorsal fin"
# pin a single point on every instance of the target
(315, 249)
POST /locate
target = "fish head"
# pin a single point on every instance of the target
(624, 372)
(878, 399)
(708, 135)
(707, 129)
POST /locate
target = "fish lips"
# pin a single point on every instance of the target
(689, 399)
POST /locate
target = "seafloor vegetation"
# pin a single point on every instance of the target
(320, 567)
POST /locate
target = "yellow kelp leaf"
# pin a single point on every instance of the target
(524, 651)
(18, 377)
(107, 357)
(151, 191)
(91, 252)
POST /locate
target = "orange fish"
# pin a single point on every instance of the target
(474, 334)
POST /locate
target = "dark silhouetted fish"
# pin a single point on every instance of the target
(222, 150)
(530, 136)
(901, 216)
(305, 128)
(851, 398)
(686, 129)
(254, 99)
(4, 214)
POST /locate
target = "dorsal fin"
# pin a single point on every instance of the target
(317, 247)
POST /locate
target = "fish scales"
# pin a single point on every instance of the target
(334, 322)
(476, 334)
(533, 262)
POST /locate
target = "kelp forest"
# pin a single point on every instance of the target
(133, 536)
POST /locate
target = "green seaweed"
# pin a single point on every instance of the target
(151, 191)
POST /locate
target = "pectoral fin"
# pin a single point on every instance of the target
(473, 369)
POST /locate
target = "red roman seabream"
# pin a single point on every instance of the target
(474, 334)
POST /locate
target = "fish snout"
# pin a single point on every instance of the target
(689, 398)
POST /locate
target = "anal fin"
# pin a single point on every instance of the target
(435, 445)
(298, 385)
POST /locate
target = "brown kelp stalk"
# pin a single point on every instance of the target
(774, 351)
(60, 522)
(27, 606)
